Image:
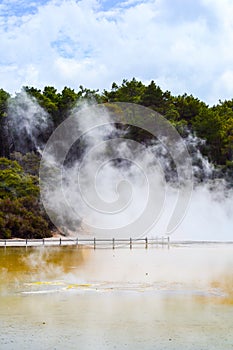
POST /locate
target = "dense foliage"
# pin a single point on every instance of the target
(213, 124)
(20, 211)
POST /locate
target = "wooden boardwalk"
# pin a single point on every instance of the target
(87, 242)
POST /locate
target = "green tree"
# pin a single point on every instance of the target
(30, 162)
(14, 183)
(21, 218)
(129, 91)
(153, 97)
(188, 107)
(4, 142)
(68, 98)
(209, 125)
(21, 214)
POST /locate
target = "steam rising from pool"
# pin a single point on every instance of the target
(168, 297)
(61, 297)
(194, 270)
(209, 215)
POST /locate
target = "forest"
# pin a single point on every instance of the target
(21, 212)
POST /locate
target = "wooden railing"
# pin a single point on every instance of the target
(87, 242)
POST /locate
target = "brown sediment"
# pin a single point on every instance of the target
(225, 284)
(217, 300)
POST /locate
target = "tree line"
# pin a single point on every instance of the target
(21, 213)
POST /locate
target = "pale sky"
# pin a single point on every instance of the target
(183, 45)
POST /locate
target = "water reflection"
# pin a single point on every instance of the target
(20, 265)
(73, 298)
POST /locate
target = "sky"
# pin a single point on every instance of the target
(185, 46)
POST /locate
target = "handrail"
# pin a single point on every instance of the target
(95, 242)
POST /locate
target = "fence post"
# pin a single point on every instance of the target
(113, 243)
(77, 241)
(94, 243)
(60, 240)
(43, 241)
(146, 242)
(130, 243)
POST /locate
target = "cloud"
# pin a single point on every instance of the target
(183, 46)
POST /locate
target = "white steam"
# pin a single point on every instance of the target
(118, 182)
(28, 121)
(103, 192)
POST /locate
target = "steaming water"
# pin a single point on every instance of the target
(210, 213)
(73, 298)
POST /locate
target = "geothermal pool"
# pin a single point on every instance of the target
(79, 298)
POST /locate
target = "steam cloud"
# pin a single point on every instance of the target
(121, 188)
(121, 177)
(28, 123)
